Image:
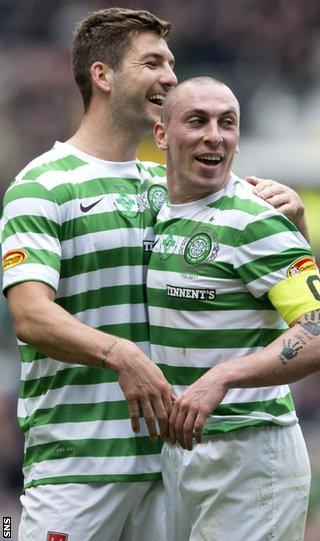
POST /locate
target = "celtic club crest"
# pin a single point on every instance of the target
(157, 195)
(125, 201)
(168, 243)
(199, 248)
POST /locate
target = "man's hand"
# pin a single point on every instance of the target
(192, 407)
(144, 387)
(283, 198)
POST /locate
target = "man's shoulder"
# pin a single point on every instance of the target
(152, 170)
(242, 198)
(54, 164)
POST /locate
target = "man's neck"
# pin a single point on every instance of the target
(99, 137)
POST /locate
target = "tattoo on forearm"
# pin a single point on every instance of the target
(310, 327)
(311, 323)
(290, 349)
(106, 353)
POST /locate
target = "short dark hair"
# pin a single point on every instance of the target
(173, 94)
(104, 36)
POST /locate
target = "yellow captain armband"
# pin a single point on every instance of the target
(296, 295)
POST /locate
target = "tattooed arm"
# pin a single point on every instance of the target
(289, 358)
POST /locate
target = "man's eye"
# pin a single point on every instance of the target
(152, 64)
(228, 121)
(195, 121)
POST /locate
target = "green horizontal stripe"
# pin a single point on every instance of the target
(31, 224)
(227, 301)
(273, 406)
(260, 229)
(75, 375)
(215, 339)
(68, 163)
(103, 259)
(108, 478)
(107, 221)
(106, 296)
(236, 203)
(42, 257)
(76, 413)
(265, 265)
(186, 228)
(113, 447)
(137, 332)
(27, 189)
(176, 263)
(223, 428)
(94, 187)
(29, 354)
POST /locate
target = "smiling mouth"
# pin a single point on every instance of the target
(156, 99)
(209, 159)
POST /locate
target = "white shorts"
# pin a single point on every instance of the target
(94, 512)
(247, 485)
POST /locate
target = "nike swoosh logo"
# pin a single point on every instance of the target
(89, 207)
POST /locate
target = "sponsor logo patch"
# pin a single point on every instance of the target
(302, 264)
(57, 536)
(191, 293)
(14, 257)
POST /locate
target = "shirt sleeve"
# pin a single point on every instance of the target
(31, 248)
(273, 258)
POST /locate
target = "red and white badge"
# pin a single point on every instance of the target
(302, 264)
(57, 536)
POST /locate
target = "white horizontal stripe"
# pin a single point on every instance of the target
(72, 209)
(75, 394)
(94, 280)
(199, 358)
(32, 206)
(37, 241)
(263, 284)
(215, 320)
(240, 396)
(93, 466)
(158, 280)
(268, 246)
(103, 240)
(31, 272)
(77, 431)
(113, 315)
(284, 420)
(49, 367)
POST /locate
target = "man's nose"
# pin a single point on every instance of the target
(213, 133)
(168, 78)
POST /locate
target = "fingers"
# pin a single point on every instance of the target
(134, 415)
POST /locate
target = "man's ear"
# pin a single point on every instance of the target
(237, 149)
(160, 135)
(101, 76)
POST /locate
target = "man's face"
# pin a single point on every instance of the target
(141, 84)
(201, 138)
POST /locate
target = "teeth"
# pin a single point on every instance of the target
(158, 97)
(210, 157)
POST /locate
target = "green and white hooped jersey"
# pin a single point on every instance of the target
(84, 227)
(213, 263)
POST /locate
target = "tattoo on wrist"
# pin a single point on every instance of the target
(106, 353)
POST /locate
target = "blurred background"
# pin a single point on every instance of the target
(268, 51)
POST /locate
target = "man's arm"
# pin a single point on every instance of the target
(43, 324)
(289, 358)
(284, 199)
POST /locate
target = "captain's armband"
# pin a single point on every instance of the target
(296, 295)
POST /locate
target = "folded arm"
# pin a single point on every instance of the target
(43, 324)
